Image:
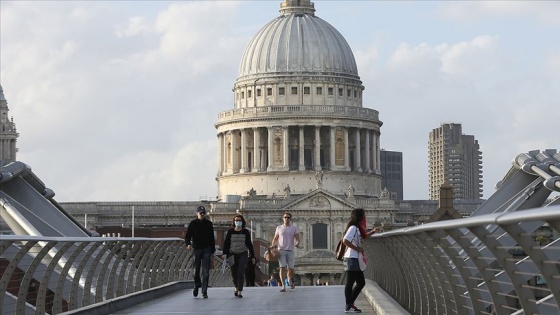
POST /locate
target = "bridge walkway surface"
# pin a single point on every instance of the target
(256, 300)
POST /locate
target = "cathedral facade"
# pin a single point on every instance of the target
(299, 140)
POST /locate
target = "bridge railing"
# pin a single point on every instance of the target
(506, 263)
(48, 275)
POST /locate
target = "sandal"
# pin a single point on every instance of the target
(283, 290)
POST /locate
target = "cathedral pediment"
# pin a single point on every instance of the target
(319, 199)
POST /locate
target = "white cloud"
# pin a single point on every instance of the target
(542, 12)
(136, 25)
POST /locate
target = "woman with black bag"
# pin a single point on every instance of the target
(355, 232)
(236, 244)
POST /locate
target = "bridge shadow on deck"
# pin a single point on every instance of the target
(256, 300)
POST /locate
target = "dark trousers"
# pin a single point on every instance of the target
(238, 270)
(202, 259)
(352, 291)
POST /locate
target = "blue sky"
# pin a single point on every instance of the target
(117, 100)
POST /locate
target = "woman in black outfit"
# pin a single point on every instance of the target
(237, 243)
(355, 281)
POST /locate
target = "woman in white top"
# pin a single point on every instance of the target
(355, 231)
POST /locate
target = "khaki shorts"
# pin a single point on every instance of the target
(287, 258)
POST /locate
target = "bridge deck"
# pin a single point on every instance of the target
(256, 300)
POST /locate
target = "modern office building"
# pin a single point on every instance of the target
(455, 158)
(392, 173)
(8, 133)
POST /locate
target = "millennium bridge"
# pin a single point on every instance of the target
(503, 259)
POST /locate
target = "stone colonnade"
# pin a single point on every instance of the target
(8, 150)
(301, 147)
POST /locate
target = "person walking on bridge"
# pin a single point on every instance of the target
(200, 237)
(239, 245)
(287, 238)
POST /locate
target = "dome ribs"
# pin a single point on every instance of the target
(298, 43)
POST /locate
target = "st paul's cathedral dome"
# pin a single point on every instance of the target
(298, 123)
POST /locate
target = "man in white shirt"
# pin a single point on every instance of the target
(287, 238)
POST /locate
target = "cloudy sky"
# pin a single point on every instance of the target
(117, 100)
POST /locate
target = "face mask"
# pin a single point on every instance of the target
(238, 224)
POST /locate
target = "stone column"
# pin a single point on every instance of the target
(220, 154)
(317, 148)
(368, 153)
(224, 152)
(285, 136)
(256, 150)
(269, 130)
(346, 150)
(243, 151)
(358, 151)
(234, 158)
(332, 162)
(301, 148)
(375, 150)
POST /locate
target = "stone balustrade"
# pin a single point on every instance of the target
(298, 111)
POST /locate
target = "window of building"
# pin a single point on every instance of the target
(355, 94)
(258, 92)
(349, 93)
(319, 90)
(306, 90)
(242, 95)
(249, 93)
(340, 91)
(281, 91)
(269, 91)
(294, 89)
(331, 91)
(319, 236)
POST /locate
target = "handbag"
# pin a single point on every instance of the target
(340, 250)
(230, 260)
(271, 255)
(362, 260)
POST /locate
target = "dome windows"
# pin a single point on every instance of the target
(290, 92)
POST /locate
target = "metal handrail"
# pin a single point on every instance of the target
(504, 263)
(51, 275)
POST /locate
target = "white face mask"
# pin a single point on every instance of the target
(238, 224)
